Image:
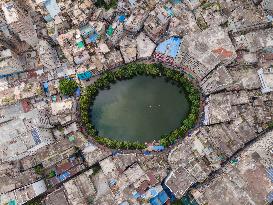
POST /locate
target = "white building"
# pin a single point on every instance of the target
(48, 55)
(8, 39)
(266, 78)
(145, 46)
(22, 134)
(10, 62)
(23, 194)
(20, 23)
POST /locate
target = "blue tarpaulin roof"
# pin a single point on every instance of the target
(136, 195)
(84, 76)
(121, 18)
(159, 199)
(169, 47)
(78, 92)
(93, 37)
(158, 148)
(155, 201)
(147, 153)
(270, 18)
(64, 176)
(52, 8)
(153, 191)
(163, 197)
(45, 84)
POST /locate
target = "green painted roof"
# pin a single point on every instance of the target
(71, 138)
(110, 31)
(12, 202)
(80, 44)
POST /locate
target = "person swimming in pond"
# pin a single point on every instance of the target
(150, 106)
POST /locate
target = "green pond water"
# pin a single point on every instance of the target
(140, 109)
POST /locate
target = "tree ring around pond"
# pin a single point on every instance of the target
(131, 71)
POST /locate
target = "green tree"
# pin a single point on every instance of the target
(68, 86)
(104, 4)
(177, 202)
(90, 200)
(34, 203)
(39, 169)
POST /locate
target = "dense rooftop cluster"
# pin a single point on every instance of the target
(225, 47)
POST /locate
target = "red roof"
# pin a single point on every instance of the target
(152, 178)
(63, 167)
(223, 52)
(26, 105)
(31, 74)
(143, 187)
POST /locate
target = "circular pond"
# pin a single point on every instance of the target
(140, 109)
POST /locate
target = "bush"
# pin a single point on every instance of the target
(39, 169)
(51, 174)
(270, 125)
(68, 86)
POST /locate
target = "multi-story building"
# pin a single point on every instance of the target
(73, 46)
(8, 38)
(135, 22)
(10, 62)
(20, 23)
(48, 55)
(156, 23)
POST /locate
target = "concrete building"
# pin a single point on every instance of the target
(114, 59)
(128, 49)
(156, 23)
(63, 111)
(80, 189)
(267, 5)
(48, 55)
(216, 81)
(116, 33)
(73, 46)
(20, 22)
(246, 18)
(24, 135)
(246, 175)
(10, 62)
(183, 22)
(24, 194)
(145, 46)
(201, 52)
(255, 41)
(9, 39)
(217, 109)
(136, 20)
